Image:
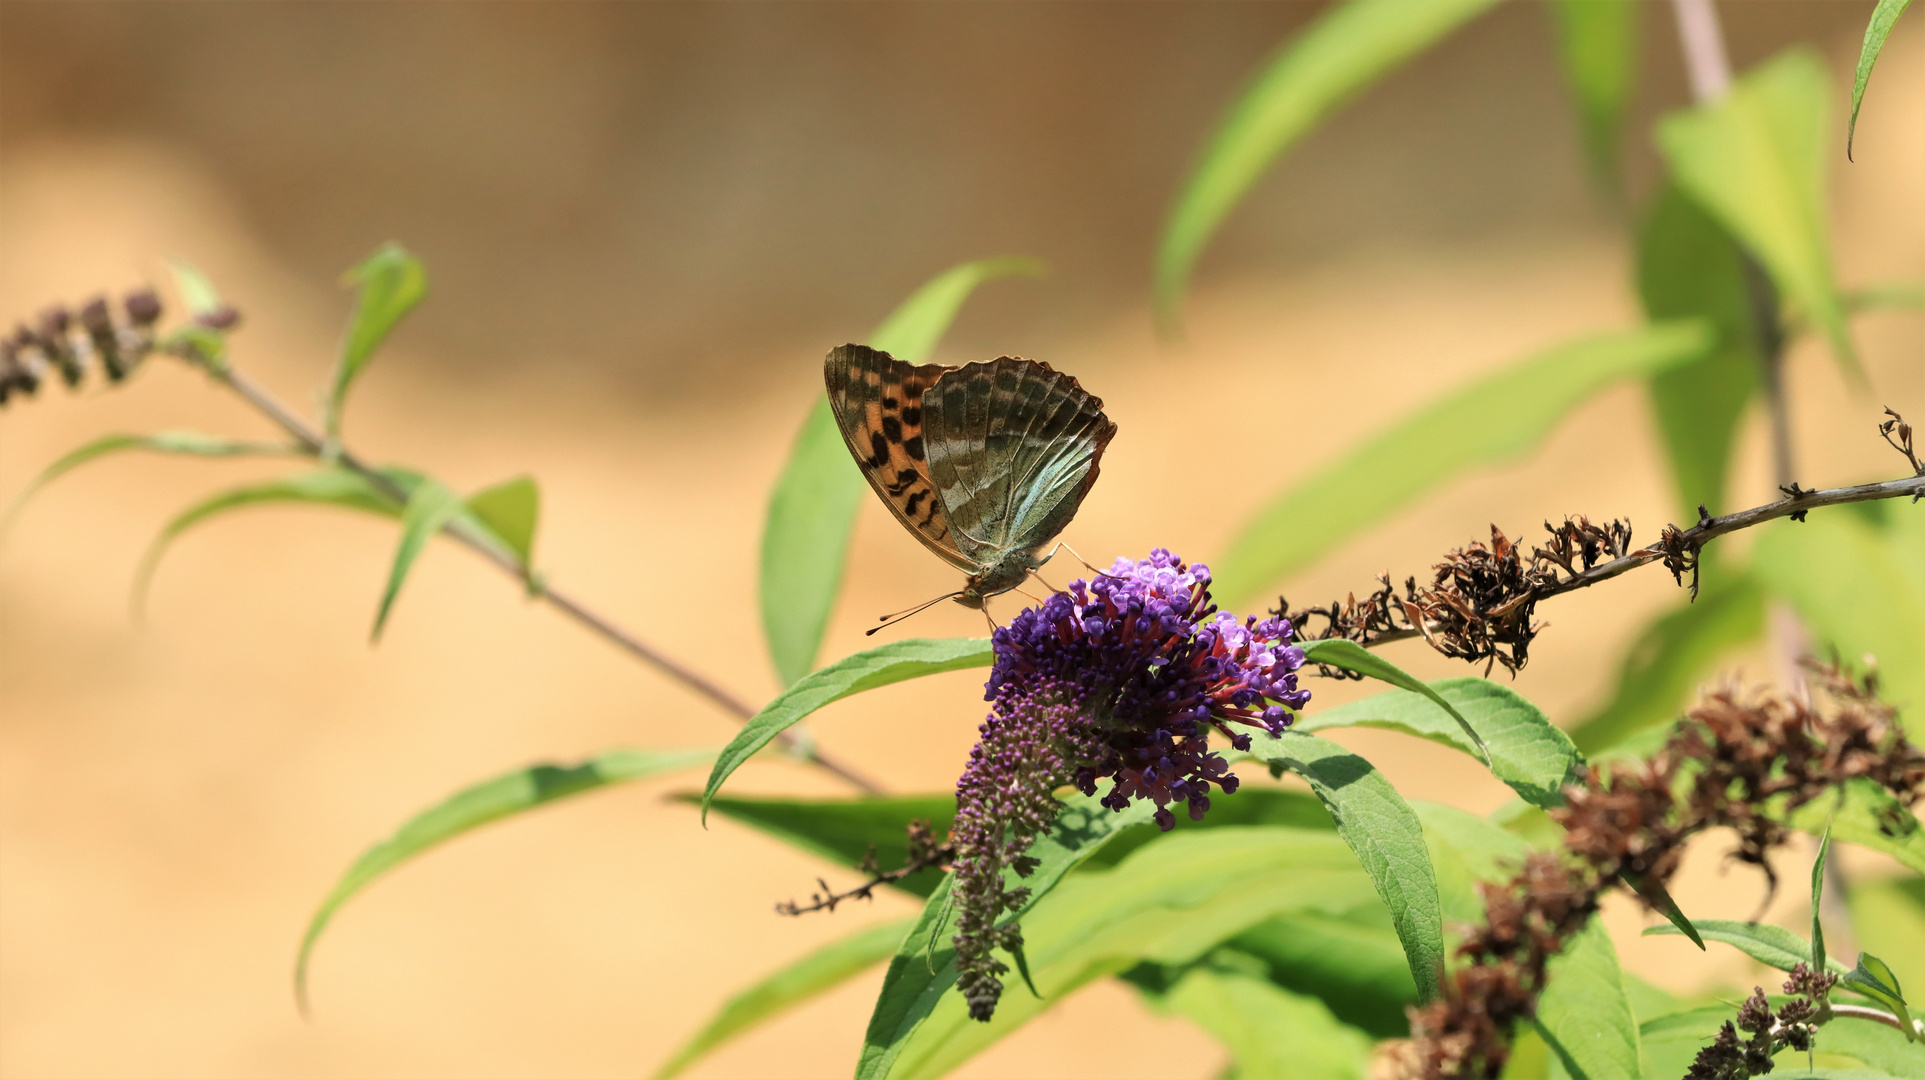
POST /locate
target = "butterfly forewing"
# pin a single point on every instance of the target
(878, 403)
(1012, 448)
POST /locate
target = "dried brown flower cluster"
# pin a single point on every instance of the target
(1732, 1058)
(71, 343)
(1743, 761)
(1481, 599)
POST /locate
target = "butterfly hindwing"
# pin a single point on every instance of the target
(878, 404)
(1012, 447)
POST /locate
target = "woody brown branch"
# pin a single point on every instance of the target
(1480, 604)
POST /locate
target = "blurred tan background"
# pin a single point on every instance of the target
(644, 224)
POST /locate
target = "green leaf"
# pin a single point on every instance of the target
(1386, 835)
(1494, 419)
(1773, 946)
(865, 670)
(1271, 1033)
(843, 831)
(1598, 42)
(1352, 657)
(1863, 812)
(912, 331)
(812, 511)
(1348, 46)
(430, 506)
(1874, 979)
(1663, 667)
(1880, 28)
(1755, 160)
(391, 283)
(196, 292)
(491, 800)
(1859, 589)
(1464, 851)
(923, 971)
(814, 974)
(1817, 895)
(1250, 805)
(165, 442)
(1352, 961)
(509, 511)
(1171, 902)
(1690, 267)
(1526, 750)
(1888, 916)
(325, 487)
(1655, 894)
(1584, 1013)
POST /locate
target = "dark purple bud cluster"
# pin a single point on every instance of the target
(1123, 677)
(68, 343)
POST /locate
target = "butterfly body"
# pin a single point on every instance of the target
(984, 463)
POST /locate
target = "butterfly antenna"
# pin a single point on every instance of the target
(890, 620)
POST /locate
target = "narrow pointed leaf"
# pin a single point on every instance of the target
(1755, 160)
(1271, 1033)
(1875, 979)
(1880, 28)
(1584, 1012)
(1350, 656)
(324, 487)
(510, 511)
(191, 443)
(1654, 893)
(1690, 267)
(812, 511)
(430, 506)
(1773, 946)
(1494, 419)
(1170, 902)
(491, 800)
(1353, 962)
(1598, 42)
(811, 976)
(1817, 896)
(1668, 659)
(865, 670)
(1347, 47)
(391, 283)
(1386, 835)
(923, 970)
(1526, 750)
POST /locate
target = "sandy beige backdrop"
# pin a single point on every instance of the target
(644, 225)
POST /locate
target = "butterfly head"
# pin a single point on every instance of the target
(1001, 577)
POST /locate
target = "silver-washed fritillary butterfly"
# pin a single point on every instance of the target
(984, 463)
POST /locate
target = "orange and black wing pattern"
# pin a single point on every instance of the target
(877, 401)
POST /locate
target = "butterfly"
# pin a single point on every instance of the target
(984, 463)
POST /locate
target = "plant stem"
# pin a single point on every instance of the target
(1864, 1012)
(1710, 529)
(314, 443)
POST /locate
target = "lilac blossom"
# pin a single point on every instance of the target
(1123, 676)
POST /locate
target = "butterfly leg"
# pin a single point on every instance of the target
(1079, 558)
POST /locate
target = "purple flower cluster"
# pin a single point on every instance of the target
(1123, 676)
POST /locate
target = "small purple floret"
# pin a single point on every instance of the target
(1123, 677)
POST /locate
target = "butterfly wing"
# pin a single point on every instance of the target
(1013, 446)
(878, 403)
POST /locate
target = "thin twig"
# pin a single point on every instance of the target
(311, 440)
(1707, 529)
(1865, 1012)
